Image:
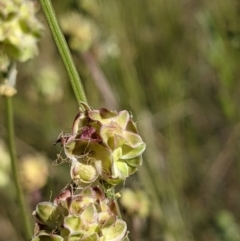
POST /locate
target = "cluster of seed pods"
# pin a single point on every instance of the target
(104, 148)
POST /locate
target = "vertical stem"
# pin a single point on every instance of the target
(12, 151)
(64, 51)
(100, 80)
(119, 215)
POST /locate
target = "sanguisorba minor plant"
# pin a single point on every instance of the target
(103, 148)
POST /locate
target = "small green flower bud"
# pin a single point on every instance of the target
(73, 223)
(115, 232)
(79, 202)
(89, 215)
(83, 174)
(49, 214)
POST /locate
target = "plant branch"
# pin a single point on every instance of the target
(64, 51)
(12, 151)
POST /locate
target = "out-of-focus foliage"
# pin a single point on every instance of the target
(4, 165)
(81, 31)
(135, 202)
(175, 65)
(33, 172)
(19, 32)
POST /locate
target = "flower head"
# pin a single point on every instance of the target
(104, 145)
(88, 215)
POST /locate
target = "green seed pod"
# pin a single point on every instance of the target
(48, 214)
(83, 174)
(74, 224)
(115, 232)
(79, 202)
(89, 214)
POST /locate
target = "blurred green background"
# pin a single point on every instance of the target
(175, 65)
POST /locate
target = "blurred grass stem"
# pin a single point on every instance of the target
(15, 169)
(64, 51)
(100, 80)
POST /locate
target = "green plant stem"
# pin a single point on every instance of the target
(120, 216)
(12, 150)
(64, 51)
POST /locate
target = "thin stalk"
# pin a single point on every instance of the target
(119, 215)
(100, 80)
(12, 151)
(64, 51)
